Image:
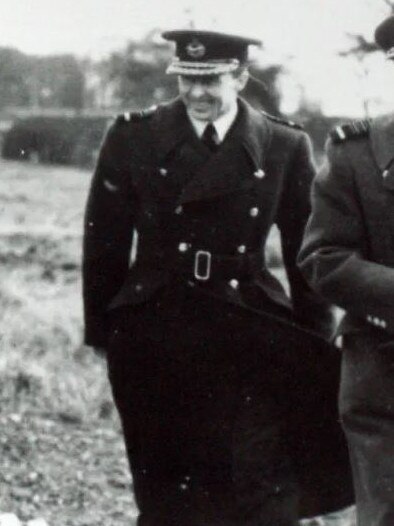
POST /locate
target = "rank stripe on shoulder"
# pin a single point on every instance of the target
(281, 120)
(136, 116)
(350, 131)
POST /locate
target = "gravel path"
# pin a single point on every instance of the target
(68, 473)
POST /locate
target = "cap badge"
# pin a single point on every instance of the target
(195, 49)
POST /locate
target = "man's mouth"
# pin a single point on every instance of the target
(201, 108)
(200, 104)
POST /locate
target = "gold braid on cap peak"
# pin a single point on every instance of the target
(212, 67)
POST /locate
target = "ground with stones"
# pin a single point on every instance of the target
(62, 459)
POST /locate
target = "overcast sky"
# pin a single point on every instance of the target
(303, 34)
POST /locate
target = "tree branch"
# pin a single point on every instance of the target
(390, 4)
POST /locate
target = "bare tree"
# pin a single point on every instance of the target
(361, 48)
(389, 4)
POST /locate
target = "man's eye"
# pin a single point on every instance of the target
(209, 81)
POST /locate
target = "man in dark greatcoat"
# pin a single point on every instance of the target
(348, 256)
(227, 407)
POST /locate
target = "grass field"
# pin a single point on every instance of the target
(61, 450)
(40, 238)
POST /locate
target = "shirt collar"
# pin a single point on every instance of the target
(222, 124)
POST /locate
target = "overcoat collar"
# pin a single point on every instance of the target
(251, 128)
(219, 174)
(382, 140)
(172, 128)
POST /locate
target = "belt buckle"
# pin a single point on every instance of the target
(202, 265)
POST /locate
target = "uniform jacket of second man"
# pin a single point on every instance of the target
(348, 253)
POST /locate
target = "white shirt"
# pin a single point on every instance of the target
(222, 124)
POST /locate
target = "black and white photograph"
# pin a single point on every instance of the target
(197, 263)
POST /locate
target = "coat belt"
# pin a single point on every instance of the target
(204, 265)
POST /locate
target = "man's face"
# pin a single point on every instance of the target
(208, 97)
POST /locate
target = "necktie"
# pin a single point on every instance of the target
(210, 137)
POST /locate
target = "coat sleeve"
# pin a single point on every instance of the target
(334, 253)
(310, 309)
(108, 230)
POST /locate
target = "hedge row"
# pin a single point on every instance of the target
(55, 139)
(75, 140)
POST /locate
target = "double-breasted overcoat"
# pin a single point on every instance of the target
(198, 309)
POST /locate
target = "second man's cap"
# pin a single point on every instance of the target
(384, 36)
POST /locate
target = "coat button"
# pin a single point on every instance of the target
(254, 212)
(259, 173)
(163, 171)
(234, 283)
(241, 249)
(179, 210)
(183, 247)
(138, 287)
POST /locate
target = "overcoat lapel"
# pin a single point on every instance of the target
(224, 171)
(178, 147)
(175, 136)
(219, 175)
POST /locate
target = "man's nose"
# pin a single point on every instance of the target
(197, 89)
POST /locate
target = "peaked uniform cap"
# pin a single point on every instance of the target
(384, 36)
(207, 52)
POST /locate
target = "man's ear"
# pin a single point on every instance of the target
(242, 79)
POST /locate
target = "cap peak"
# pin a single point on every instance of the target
(203, 52)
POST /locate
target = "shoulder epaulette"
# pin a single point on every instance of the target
(136, 116)
(286, 122)
(350, 131)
